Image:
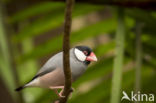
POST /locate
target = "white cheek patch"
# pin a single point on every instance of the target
(80, 55)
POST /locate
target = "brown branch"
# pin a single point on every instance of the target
(66, 47)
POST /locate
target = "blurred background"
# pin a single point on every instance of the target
(31, 32)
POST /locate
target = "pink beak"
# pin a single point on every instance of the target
(91, 57)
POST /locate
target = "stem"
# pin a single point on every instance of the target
(66, 48)
(118, 60)
(138, 57)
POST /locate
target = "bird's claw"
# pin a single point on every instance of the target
(61, 96)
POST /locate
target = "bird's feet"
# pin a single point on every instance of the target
(61, 94)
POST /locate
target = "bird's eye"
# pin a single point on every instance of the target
(85, 52)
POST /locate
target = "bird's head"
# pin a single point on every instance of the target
(84, 54)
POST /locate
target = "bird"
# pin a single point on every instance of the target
(51, 74)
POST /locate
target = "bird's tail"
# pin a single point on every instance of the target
(29, 84)
(20, 88)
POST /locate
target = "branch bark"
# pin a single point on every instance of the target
(66, 47)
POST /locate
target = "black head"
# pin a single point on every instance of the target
(86, 55)
(86, 50)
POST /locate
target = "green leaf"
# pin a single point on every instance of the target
(55, 43)
(38, 9)
(40, 26)
(51, 21)
(148, 20)
(104, 48)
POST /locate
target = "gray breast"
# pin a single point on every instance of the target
(77, 67)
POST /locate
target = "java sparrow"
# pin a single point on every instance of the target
(51, 75)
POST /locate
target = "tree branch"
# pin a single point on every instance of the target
(66, 47)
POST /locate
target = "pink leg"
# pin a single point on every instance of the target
(55, 90)
(61, 92)
(57, 87)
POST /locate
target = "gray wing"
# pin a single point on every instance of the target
(52, 64)
(56, 62)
